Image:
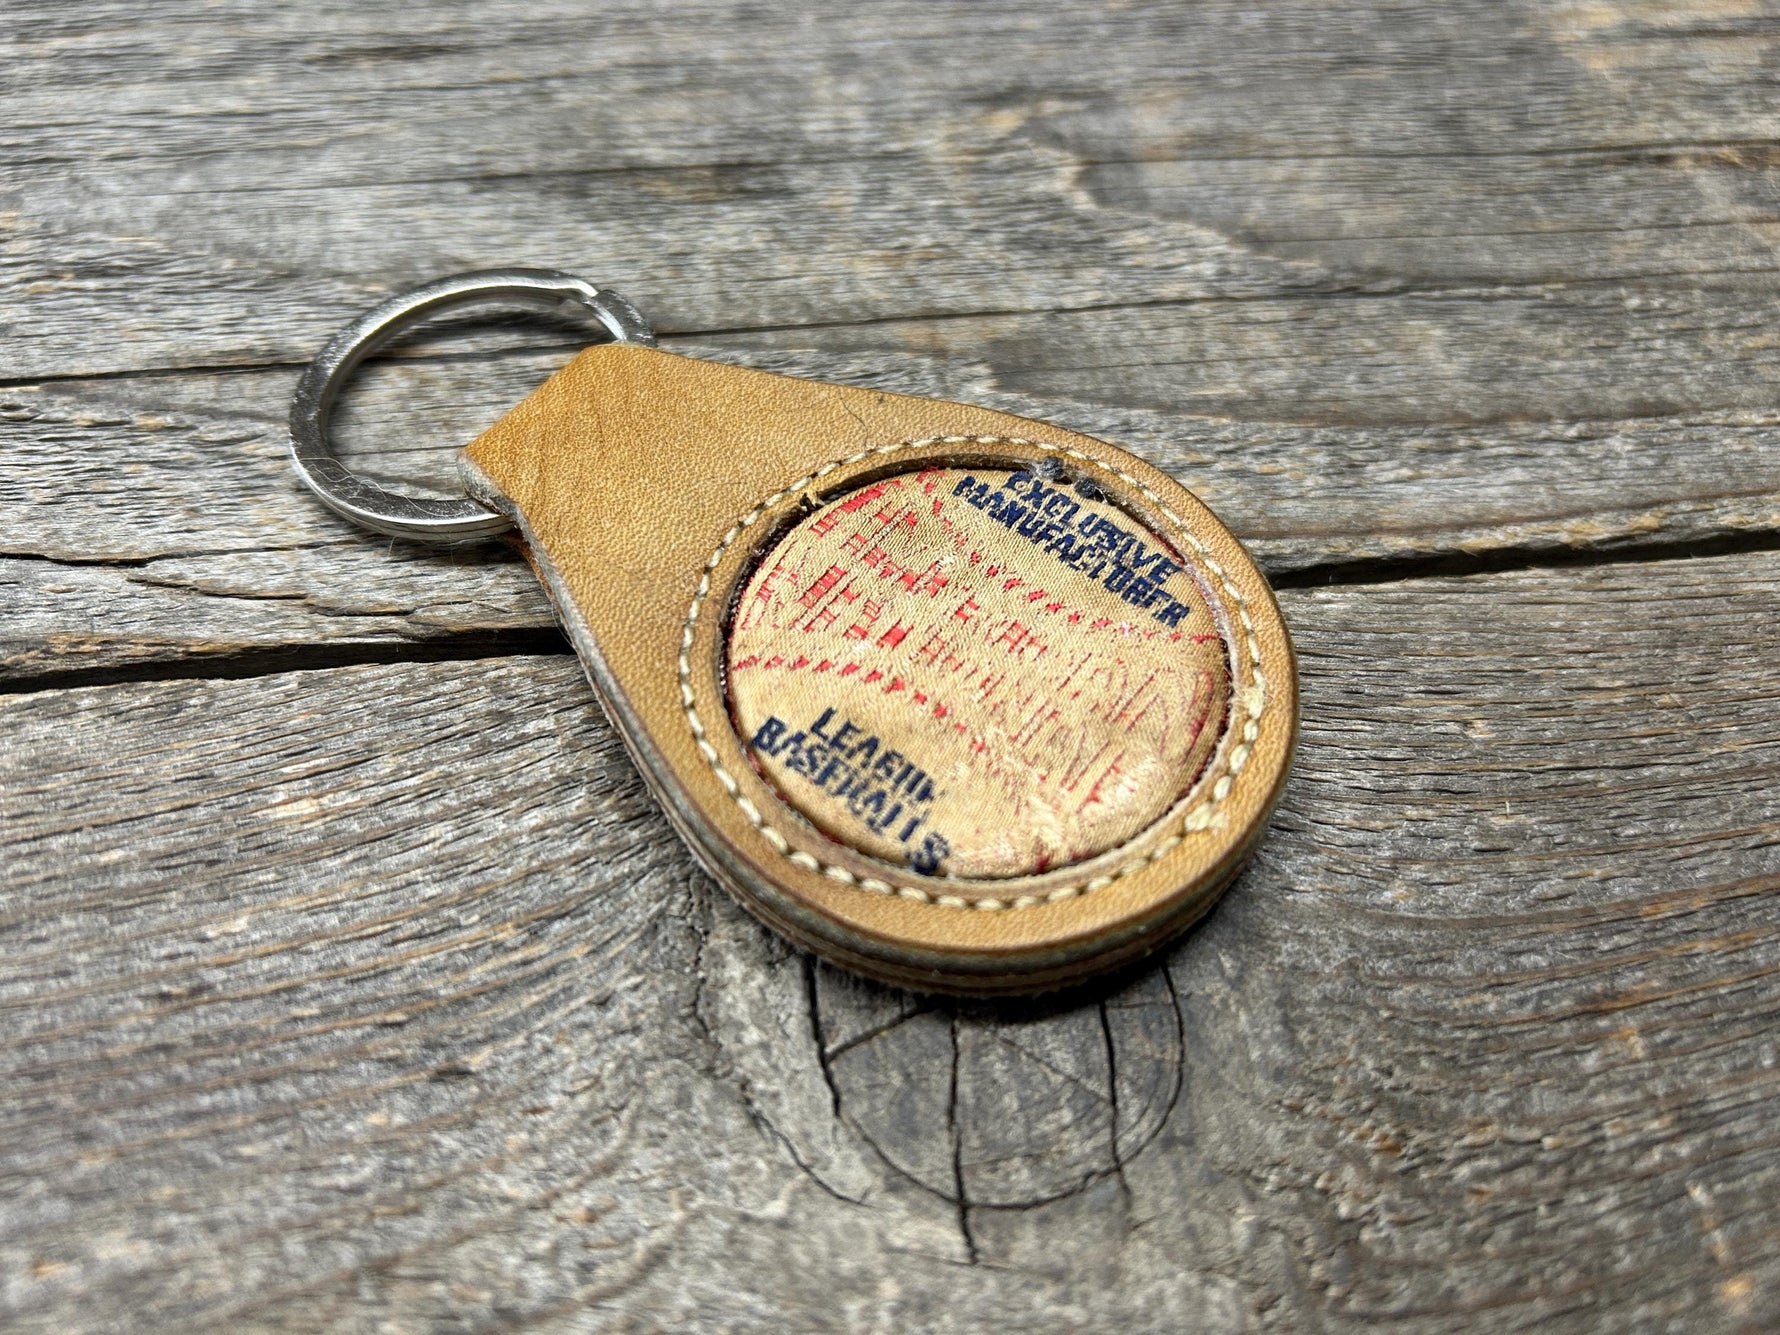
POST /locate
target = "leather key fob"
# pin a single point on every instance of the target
(955, 699)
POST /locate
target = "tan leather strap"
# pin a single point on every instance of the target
(954, 698)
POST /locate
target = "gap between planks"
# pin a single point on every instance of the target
(529, 642)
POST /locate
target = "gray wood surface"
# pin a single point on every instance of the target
(351, 981)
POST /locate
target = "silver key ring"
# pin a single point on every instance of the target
(376, 507)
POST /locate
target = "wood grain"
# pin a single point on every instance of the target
(351, 981)
(1471, 208)
(150, 521)
(403, 1002)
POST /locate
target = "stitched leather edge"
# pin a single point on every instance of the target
(1252, 699)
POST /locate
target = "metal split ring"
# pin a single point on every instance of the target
(376, 507)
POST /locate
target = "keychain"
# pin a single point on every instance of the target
(955, 699)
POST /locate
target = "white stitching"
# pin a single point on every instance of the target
(1199, 817)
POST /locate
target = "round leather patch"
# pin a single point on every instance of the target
(977, 672)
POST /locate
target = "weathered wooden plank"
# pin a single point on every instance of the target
(1334, 226)
(383, 993)
(153, 520)
(250, 182)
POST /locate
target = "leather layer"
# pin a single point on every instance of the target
(649, 487)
